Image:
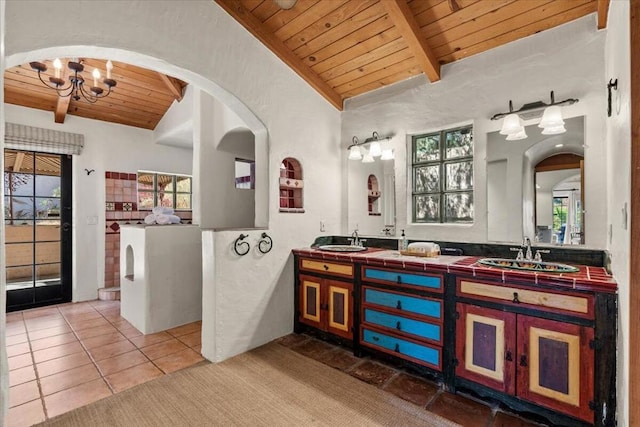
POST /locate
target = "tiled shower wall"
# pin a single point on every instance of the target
(122, 208)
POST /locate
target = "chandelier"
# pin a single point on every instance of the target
(76, 87)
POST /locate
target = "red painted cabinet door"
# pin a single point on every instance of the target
(555, 365)
(486, 346)
(339, 308)
(310, 303)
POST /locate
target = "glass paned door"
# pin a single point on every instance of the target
(37, 214)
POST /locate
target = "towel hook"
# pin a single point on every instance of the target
(265, 244)
(240, 247)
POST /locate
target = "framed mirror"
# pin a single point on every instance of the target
(535, 186)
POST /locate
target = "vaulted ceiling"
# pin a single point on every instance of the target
(344, 48)
(140, 98)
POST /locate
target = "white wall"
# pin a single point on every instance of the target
(567, 59)
(176, 126)
(4, 367)
(108, 147)
(618, 142)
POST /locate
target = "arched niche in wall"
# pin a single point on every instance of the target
(291, 185)
(237, 149)
(373, 196)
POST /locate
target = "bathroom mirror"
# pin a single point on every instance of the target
(371, 192)
(516, 207)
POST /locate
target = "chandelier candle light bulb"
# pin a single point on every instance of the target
(57, 65)
(96, 76)
(109, 68)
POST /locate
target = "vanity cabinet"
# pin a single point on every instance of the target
(544, 361)
(398, 320)
(325, 298)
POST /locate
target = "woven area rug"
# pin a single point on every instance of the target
(269, 386)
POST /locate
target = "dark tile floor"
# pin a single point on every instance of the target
(457, 408)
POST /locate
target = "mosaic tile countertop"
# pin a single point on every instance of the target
(587, 278)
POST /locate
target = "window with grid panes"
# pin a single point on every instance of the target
(159, 189)
(442, 176)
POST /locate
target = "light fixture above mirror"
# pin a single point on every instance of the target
(378, 147)
(552, 122)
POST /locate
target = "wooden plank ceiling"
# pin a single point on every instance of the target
(140, 98)
(345, 48)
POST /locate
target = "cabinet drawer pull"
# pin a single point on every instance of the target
(375, 338)
(398, 326)
(397, 349)
(523, 360)
(399, 305)
(326, 267)
(509, 356)
(515, 298)
(399, 279)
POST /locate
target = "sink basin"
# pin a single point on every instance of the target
(342, 248)
(540, 266)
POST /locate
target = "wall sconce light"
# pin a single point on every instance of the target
(378, 147)
(552, 122)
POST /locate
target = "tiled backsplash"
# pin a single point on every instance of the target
(122, 208)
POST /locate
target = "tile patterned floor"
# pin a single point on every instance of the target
(457, 408)
(69, 355)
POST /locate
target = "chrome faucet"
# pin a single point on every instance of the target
(355, 240)
(526, 245)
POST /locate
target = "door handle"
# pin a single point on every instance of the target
(398, 326)
(509, 356)
(523, 360)
(397, 349)
(515, 298)
(399, 281)
(326, 267)
(66, 226)
(399, 305)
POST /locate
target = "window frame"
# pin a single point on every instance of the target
(441, 192)
(155, 190)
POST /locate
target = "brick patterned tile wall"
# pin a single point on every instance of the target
(122, 208)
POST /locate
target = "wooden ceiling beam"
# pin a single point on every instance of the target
(603, 13)
(173, 85)
(260, 31)
(17, 164)
(406, 24)
(62, 106)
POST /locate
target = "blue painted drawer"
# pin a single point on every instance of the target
(417, 305)
(402, 348)
(402, 324)
(402, 278)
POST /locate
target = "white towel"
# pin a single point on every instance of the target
(174, 219)
(163, 219)
(162, 210)
(150, 219)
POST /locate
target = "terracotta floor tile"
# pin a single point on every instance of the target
(121, 323)
(121, 362)
(14, 317)
(104, 304)
(186, 329)
(20, 361)
(38, 324)
(23, 393)
(507, 420)
(85, 316)
(76, 397)
(130, 332)
(372, 372)
(192, 339)
(94, 332)
(313, 348)
(415, 390)
(63, 363)
(179, 360)
(40, 312)
(49, 332)
(292, 340)
(340, 359)
(25, 415)
(133, 376)
(53, 341)
(79, 325)
(163, 349)
(67, 379)
(461, 410)
(15, 329)
(110, 350)
(16, 349)
(16, 339)
(101, 340)
(57, 351)
(147, 340)
(197, 349)
(22, 375)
